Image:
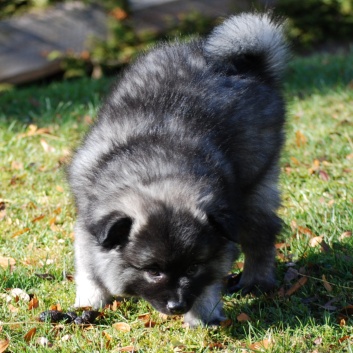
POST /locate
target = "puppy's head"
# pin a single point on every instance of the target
(171, 257)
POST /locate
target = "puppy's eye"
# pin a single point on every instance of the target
(154, 272)
(192, 269)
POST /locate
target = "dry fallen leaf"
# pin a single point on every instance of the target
(327, 285)
(125, 349)
(59, 188)
(4, 345)
(38, 218)
(19, 232)
(226, 323)
(5, 262)
(323, 175)
(33, 303)
(297, 285)
(243, 317)
(262, 345)
(15, 165)
(318, 341)
(344, 235)
(122, 326)
(305, 231)
(316, 241)
(119, 14)
(282, 246)
(47, 148)
(30, 334)
(300, 138)
(144, 317)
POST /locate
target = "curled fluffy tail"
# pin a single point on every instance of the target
(249, 43)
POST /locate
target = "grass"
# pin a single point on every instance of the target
(39, 125)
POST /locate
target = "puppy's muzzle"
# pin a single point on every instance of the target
(177, 308)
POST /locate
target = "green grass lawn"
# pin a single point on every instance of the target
(40, 125)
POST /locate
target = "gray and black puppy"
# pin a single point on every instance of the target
(180, 167)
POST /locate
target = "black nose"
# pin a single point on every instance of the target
(176, 308)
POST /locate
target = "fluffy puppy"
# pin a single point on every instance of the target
(180, 167)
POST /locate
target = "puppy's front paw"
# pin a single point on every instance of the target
(207, 309)
(89, 293)
(195, 320)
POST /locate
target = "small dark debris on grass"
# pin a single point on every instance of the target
(55, 316)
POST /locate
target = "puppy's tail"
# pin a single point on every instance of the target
(248, 44)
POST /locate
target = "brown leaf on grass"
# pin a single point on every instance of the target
(315, 167)
(243, 317)
(30, 334)
(305, 231)
(317, 341)
(262, 345)
(38, 218)
(327, 285)
(33, 303)
(122, 326)
(323, 175)
(347, 310)
(34, 131)
(150, 324)
(295, 161)
(59, 188)
(2, 211)
(46, 147)
(4, 345)
(342, 322)
(130, 349)
(119, 14)
(297, 285)
(316, 241)
(144, 317)
(216, 345)
(345, 235)
(15, 165)
(279, 246)
(108, 338)
(344, 338)
(300, 139)
(239, 265)
(5, 262)
(13, 309)
(226, 323)
(20, 232)
(56, 307)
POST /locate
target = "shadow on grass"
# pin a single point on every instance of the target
(52, 103)
(319, 301)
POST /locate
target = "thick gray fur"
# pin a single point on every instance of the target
(180, 166)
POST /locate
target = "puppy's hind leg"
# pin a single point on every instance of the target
(257, 239)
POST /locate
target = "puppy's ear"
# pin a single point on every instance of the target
(224, 224)
(112, 232)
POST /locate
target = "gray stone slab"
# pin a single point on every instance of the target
(154, 18)
(26, 40)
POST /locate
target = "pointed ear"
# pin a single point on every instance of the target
(225, 224)
(112, 231)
